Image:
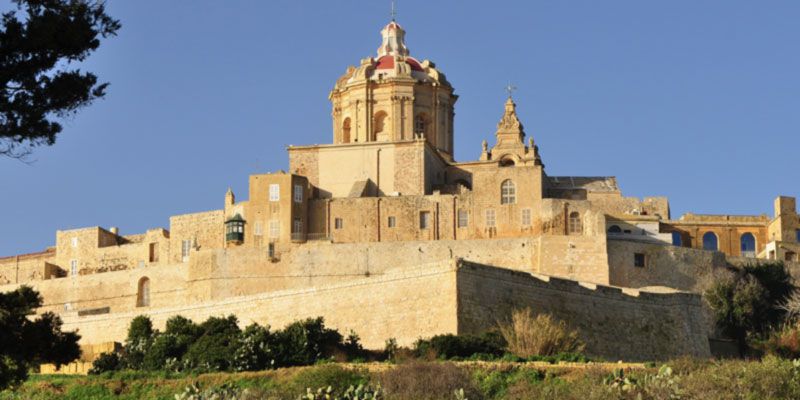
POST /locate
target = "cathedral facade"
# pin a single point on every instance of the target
(382, 231)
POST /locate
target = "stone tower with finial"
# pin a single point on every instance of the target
(393, 97)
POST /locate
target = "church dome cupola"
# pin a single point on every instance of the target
(393, 97)
(394, 38)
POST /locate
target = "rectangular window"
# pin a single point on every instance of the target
(298, 193)
(297, 226)
(186, 245)
(639, 260)
(153, 252)
(338, 223)
(526, 217)
(74, 242)
(797, 234)
(274, 192)
(463, 218)
(274, 229)
(73, 267)
(258, 229)
(271, 250)
(490, 218)
(424, 219)
(392, 222)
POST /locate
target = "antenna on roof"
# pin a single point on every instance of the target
(394, 10)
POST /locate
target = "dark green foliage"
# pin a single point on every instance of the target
(748, 305)
(141, 328)
(216, 346)
(451, 346)
(352, 347)
(165, 347)
(35, 53)
(777, 282)
(182, 326)
(304, 342)
(26, 342)
(105, 363)
(138, 342)
(254, 353)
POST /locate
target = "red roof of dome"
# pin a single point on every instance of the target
(387, 62)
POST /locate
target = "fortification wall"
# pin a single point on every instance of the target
(681, 268)
(219, 274)
(27, 267)
(406, 304)
(115, 290)
(615, 324)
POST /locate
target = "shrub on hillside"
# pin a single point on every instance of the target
(450, 346)
(304, 343)
(784, 342)
(105, 363)
(216, 346)
(541, 335)
(137, 344)
(752, 302)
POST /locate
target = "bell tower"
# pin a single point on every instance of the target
(393, 97)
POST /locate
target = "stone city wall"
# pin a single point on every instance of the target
(614, 323)
(27, 267)
(110, 292)
(406, 304)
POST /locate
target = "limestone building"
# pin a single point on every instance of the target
(384, 232)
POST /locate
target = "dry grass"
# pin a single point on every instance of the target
(427, 381)
(539, 335)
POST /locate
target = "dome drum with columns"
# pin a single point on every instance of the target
(394, 97)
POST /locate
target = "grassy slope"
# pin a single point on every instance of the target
(771, 378)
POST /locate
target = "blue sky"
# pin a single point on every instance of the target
(695, 100)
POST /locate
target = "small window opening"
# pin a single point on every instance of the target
(153, 252)
(463, 218)
(424, 219)
(639, 260)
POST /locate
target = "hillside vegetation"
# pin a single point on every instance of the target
(771, 378)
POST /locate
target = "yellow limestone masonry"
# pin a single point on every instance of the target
(384, 232)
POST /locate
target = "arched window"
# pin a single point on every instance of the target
(748, 245)
(508, 192)
(506, 162)
(346, 130)
(614, 229)
(676, 239)
(710, 241)
(143, 293)
(575, 226)
(378, 123)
